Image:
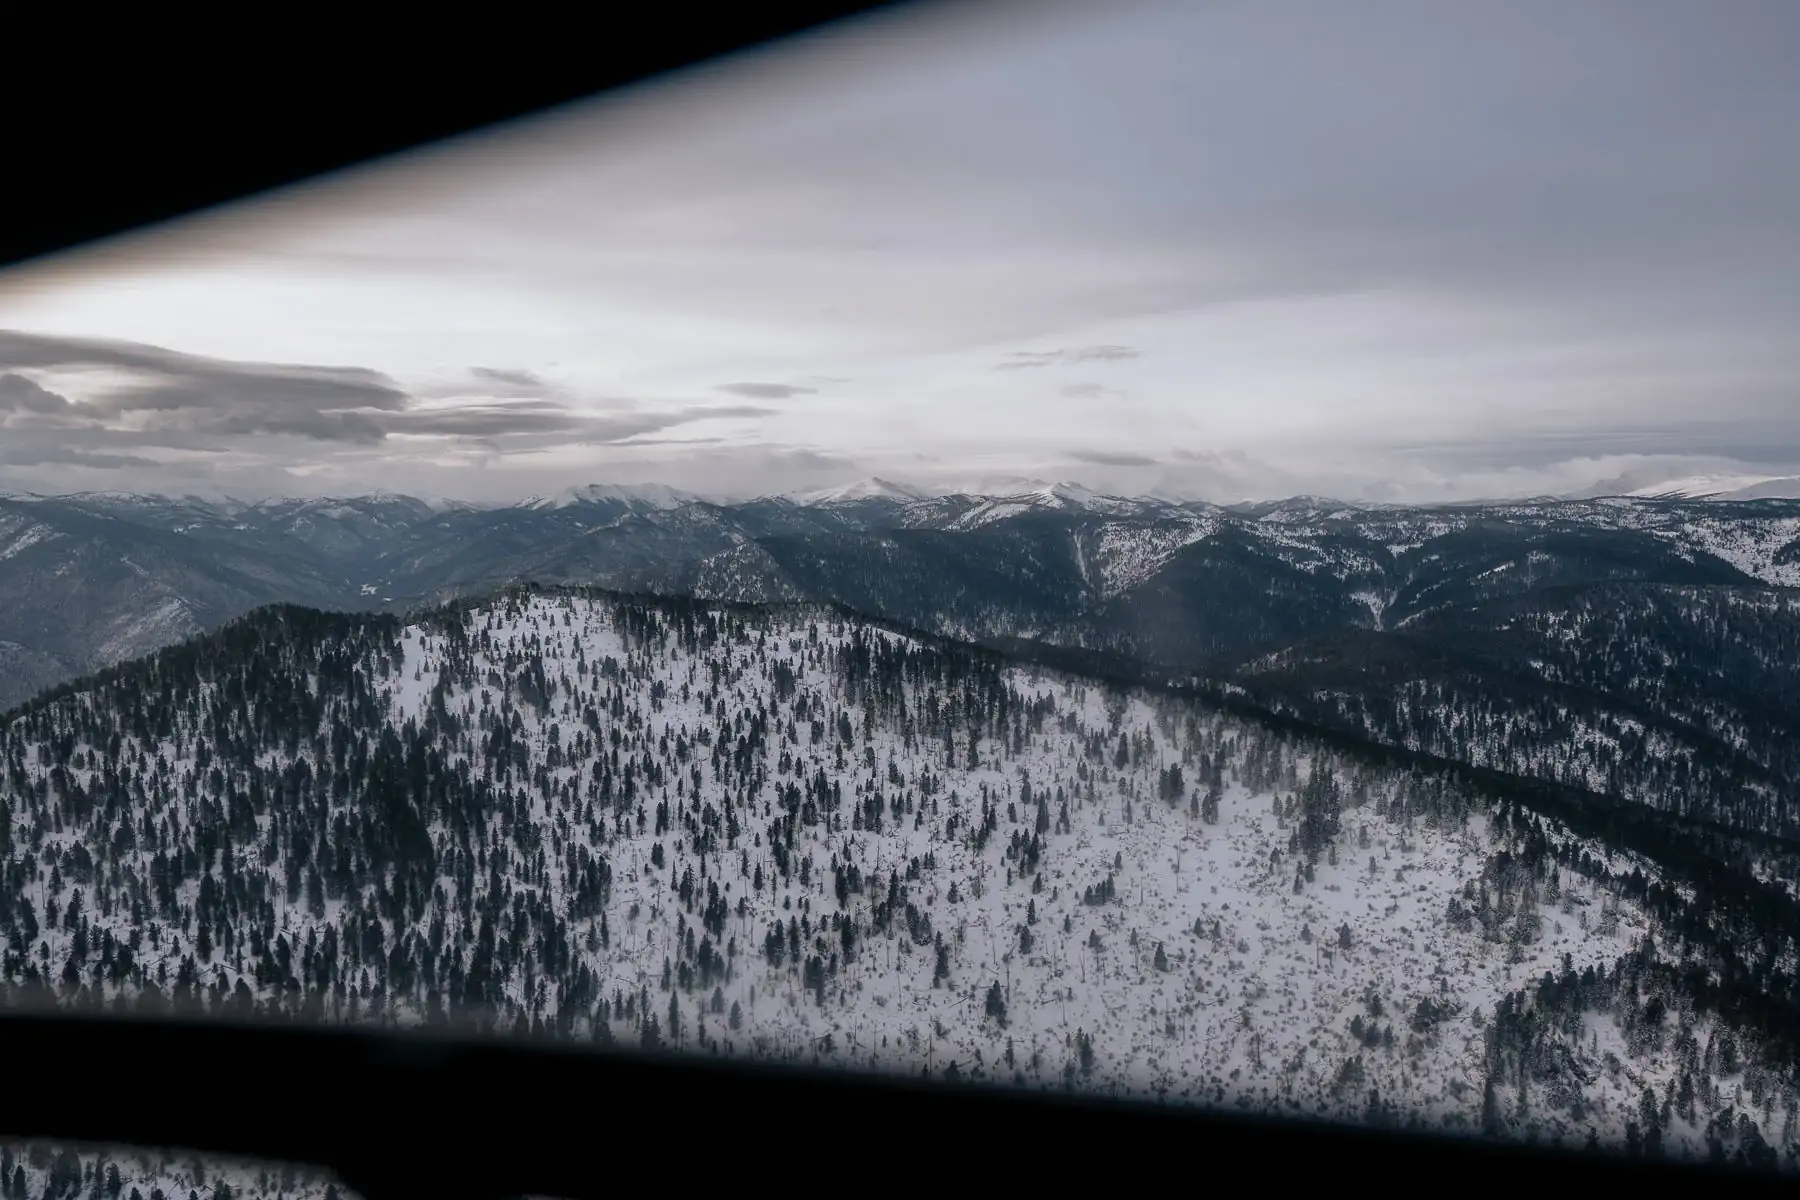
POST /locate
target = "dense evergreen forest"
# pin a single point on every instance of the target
(1684, 699)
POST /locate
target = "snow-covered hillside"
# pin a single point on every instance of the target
(1125, 554)
(1763, 547)
(1181, 1028)
(792, 833)
(19, 533)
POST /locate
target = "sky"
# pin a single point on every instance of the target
(1401, 250)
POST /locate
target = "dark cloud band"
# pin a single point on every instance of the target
(767, 391)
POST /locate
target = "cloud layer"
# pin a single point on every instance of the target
(198, 416)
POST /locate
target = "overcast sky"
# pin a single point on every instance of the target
(1394, 249)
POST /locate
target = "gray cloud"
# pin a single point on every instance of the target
(743, 472)
(509, 378)
(41, 454)
(811, 460)
(706, 412)
(178, 380)
(353, 427)
(608, 430)
(1087, 391)
(1750, 439)
(767, 391)
(688, 441)
(189, 394)
(20, 395)
(1028, 359)
(1105, 459)
(484, 420)
(485, 384)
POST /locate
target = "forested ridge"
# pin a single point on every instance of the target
(1681, 699)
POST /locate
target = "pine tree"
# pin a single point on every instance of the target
(1491, 1123)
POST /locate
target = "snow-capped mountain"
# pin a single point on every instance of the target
(792, 833)
(1697, 487)
(1725, 486)
(994, 485)
(1766, 489)
(634, 497)
(861, 491)
(1053, 497)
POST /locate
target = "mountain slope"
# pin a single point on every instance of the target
(81, 589)
(791, 832)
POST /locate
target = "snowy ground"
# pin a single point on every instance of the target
(1257, 1016)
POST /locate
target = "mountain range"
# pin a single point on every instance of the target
(1642, 646)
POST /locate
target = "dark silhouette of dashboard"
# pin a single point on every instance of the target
(413, 1114)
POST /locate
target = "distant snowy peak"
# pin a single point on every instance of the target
(860, 492)
(1064, 494)
(1767, 489)
(635, 496)
(1699, 486)
(1182, 498)
(1053, 497)
(994, 487)
(999, 497)
(107, 501)
(1716, 486)
(1071, 495)
(331, 507)
(123, 498)
(1296, 508)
